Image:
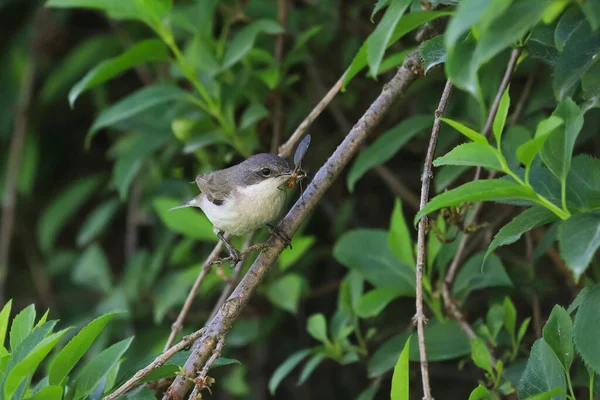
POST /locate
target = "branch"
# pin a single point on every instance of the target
(278, 108)
(158, 362)
(393, 182)
(220, 325)
(419, 317)
(206, 267)
(15, 154)
(285, 150)
(449, 301)
(200, 380)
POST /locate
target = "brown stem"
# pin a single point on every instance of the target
(419, 317)
(206, 267)
(158, 362)
(220, 325)
(450, 302)
(535, 298)
(15, 154)
(278, 106)
(520, 106)
(394, 183)
(215, 355)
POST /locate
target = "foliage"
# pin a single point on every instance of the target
(133, 98)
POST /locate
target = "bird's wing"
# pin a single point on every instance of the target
(215, 192)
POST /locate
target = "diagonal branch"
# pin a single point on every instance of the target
(419, 317)
(220, 325)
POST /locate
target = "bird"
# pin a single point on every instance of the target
(244, 197)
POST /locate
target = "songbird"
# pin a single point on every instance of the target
(245, 197)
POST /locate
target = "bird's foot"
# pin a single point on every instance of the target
(235, 256)
(281, 235)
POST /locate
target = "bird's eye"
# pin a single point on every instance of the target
(265, 172)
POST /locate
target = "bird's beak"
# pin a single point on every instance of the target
(188, 203)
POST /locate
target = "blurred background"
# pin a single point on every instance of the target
(90, 165)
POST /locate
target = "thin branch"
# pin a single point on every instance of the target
(520, 106)
(419, 317)
(206, 267)
(158, 362)
(15, 154)
(278, 106)
(220, 325)
(449, 301)
(203, 374)
(285, 150)
(233, 279)
(258, 246)
(535, 298)
(394, 183)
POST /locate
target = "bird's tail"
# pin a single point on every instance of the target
(187, 203)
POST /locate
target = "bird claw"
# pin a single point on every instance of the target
(281, 235)
(236, 257)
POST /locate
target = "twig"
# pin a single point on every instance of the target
(535, 299)
(393, 182)
(232, 281)
(220, 325)
(449, 301)
(285, 150)
(206, 267)
(419, 317)
(158, 362)
(520, 106)
(14, 166)
(278, 108)
(215, 355)
(258, 246)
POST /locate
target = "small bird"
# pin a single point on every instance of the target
(244, 197)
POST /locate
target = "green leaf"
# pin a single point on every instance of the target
(54, 392)
(558, 149)
(528, 150)
(474, 276)
(554, 394)
(587, 320)
(399, 238)
(94, 371)
(468, 132)
(400, 378)
(591, 9)
(29, 364)
(479, 393)
(373, 302)
(316, 327)
(468, 12)
(432, 53)
(284, 369)
(310, 366)
(471, 154)
(135, 103)
(4, 316)
(542, 373)
(378, 6)
(116, 9)
(244, 40)
(367, 252)
(578, 240)
(186, 221)
(490, 189)
(540, 45)
(481, 356)
(289, 256)
(285, 292)
(97, 222)
(495, 321)
(529, 219)
(558, 334)
(510, 317)
(567, 24)
(388, 144)
(379, 40)
(444, 341)
(62, 208)
(577, 56)
(93, 270)
(64, 361)
(254, 113)
(583, 182)
(21, 326)
(408, 23)
(500, 118)
(143, 52)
